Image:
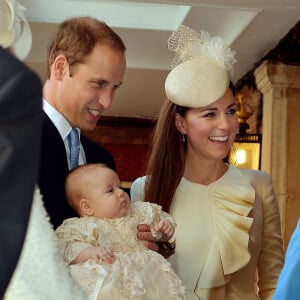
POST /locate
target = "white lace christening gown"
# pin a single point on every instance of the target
(137, 273)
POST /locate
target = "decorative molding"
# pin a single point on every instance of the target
(287, 51)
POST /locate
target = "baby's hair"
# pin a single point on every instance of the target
(75, 187)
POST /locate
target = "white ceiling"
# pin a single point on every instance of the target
(250, 27)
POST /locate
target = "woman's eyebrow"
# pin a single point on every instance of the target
(232, 104)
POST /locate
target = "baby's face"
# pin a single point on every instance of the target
(107, 198)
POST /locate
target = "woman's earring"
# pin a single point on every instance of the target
(183, 137)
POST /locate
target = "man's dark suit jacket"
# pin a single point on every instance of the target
(20, 132)
(54, 169)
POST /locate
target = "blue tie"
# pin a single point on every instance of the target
(74, 145)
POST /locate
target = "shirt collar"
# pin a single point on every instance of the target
(59, 121)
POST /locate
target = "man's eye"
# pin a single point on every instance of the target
(115, 87)
(98, 83)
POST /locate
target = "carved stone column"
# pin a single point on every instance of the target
(280, 86)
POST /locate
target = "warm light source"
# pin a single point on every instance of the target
(241, 156)
(246, 149)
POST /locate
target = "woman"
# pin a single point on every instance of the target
(228, 223)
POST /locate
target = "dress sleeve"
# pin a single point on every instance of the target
(159, 214)
(137, 189)
(271, 256)
(73, 236)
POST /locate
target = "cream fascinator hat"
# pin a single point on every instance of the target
(15, 33)
(201, 68)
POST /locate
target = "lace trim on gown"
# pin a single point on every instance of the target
(232, 198)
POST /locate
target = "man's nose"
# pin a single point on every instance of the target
(105, 98)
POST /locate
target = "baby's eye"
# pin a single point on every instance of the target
(109, 190)
(100, 83)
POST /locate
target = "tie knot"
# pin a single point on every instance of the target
(74, 145)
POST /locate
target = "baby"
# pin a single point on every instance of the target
(101, 246)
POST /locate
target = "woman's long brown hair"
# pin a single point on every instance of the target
(167, 158)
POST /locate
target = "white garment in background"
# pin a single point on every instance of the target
(41, 272)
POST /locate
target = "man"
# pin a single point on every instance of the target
(85, 66)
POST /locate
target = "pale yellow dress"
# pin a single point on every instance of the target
(137, 273)
(226, 231)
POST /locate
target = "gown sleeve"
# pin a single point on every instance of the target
(74, 235)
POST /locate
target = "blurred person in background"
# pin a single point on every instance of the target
(31, 266)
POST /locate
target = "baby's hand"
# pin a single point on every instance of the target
(101, 254)
(167, 230)
(97, 254)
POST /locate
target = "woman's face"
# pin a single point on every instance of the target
(210, 130)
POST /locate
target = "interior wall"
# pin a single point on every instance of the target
(128, 140)
(280, 86)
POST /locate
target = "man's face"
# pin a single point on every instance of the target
(87, 89)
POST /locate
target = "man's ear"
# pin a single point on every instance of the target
(60, 66)
(86, 207)
(179, 123)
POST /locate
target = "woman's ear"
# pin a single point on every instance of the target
(60, 66)
(86, 207)
(179, 123)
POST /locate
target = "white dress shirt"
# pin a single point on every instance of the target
(64, 128)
